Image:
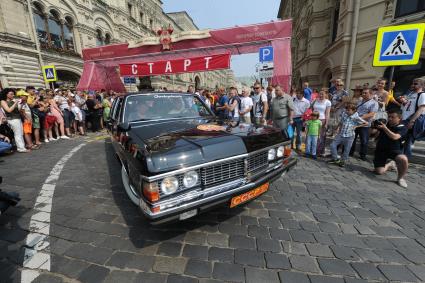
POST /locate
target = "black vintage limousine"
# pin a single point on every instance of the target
(178, 159)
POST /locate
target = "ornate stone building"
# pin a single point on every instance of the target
(336, 38)
(34, 33)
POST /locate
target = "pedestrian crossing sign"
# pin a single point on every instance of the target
(398, 45)
(49, 73)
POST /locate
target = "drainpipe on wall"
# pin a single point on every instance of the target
(354, 30)
(37, 44)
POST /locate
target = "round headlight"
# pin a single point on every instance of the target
(272, 154)
(169, 185)
(190, 179)
(280, 151)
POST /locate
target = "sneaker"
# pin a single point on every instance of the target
(402, 183)
(65, 137)
(392, 166)
(53, 139)
(333, 161)
(364, 158)
(46, 140)
(314, 157)
(341, 163)
(306, 155)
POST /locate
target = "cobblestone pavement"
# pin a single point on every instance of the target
(317, 224)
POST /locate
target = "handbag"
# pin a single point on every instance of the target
(307, 114)
(419, 126)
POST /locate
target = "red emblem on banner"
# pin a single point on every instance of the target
(187, 65)
(165, 37)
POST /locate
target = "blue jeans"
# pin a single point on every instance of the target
(311, 145)
(4, 146)
(409, 140)
(298, 124)
(363, 133)
(346, 142)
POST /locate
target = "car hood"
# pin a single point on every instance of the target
(180, 143)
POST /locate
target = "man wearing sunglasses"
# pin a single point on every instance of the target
(261, 105)
(413, 106)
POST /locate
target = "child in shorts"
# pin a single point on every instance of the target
(313, 127)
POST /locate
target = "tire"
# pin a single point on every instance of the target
(132, 195)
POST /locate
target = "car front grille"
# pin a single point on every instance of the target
(257, 162)
(223, 172)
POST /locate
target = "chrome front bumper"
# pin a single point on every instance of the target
(203, 199)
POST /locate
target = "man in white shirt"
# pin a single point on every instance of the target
(301, 104)
(246, 106)
(413, 106)
(260, 106)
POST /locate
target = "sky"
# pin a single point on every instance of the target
(216, 14)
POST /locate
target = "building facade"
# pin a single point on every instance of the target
(336, 39)
(54, 32)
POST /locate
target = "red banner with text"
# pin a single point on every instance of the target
(186, 65)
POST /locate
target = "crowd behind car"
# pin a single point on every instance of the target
(330, 118)
(30, 117)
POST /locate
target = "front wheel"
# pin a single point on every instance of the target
(132, 195)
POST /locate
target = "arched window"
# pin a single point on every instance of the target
(107, 39)
(55, 30)
(68, 33)
(40, 24)
(99, 38)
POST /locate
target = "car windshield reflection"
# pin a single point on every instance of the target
(164, 106)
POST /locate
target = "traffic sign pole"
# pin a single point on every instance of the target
(391, 77)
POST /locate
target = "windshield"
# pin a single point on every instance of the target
(164, 106)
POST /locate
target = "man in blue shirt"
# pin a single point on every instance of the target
(307, 92)
(221, 105)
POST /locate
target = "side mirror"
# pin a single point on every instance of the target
(124, 127)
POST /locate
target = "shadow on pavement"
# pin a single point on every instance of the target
(141, 233)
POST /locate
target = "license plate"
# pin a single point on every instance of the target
(249, 195)
(188, 214)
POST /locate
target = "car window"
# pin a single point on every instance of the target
(164, 106)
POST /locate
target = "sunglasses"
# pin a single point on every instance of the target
(339, 85)
(256, 88)
(415, 83)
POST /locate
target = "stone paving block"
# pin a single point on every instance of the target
(228, 272)
(151, 278)
(378, 243)
(93, 273)
(141, 262)
(345, 253)
(391, 256)
(302, 236)
(198, 268)
(120, 276)
(364, 230)
(255, 275)
(278, 261)
(258, 232)
(195, 251)
(280, 234)
(290, 224)
(69, 267)
(325, 279)
(335, 267)
(309, 226)
(329, 228)
(348, 229)
(195, 238)
(169, 249)
(328, 218)
(218, 240)
(353, 241)
(269, 245)
(368, 271)
(242, 242)
(174, 278)
(398, 273)
(269, 222)
(249, 220)
(89, 253)
(249, 257)
(319, 250)
(355, 280)
(323, 238)
(120, 259)
(221, 254)
(387, 231)
(232, 229)
(169, 264)
(368, 255)
(293, 277)
(304, 263)
(418, 270)
(48, 278)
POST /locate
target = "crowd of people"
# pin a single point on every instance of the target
(336, 118)
(29, 117)
(333, 117)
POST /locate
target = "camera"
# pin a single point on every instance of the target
(378, 122)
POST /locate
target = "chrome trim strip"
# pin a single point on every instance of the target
(183, 170)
